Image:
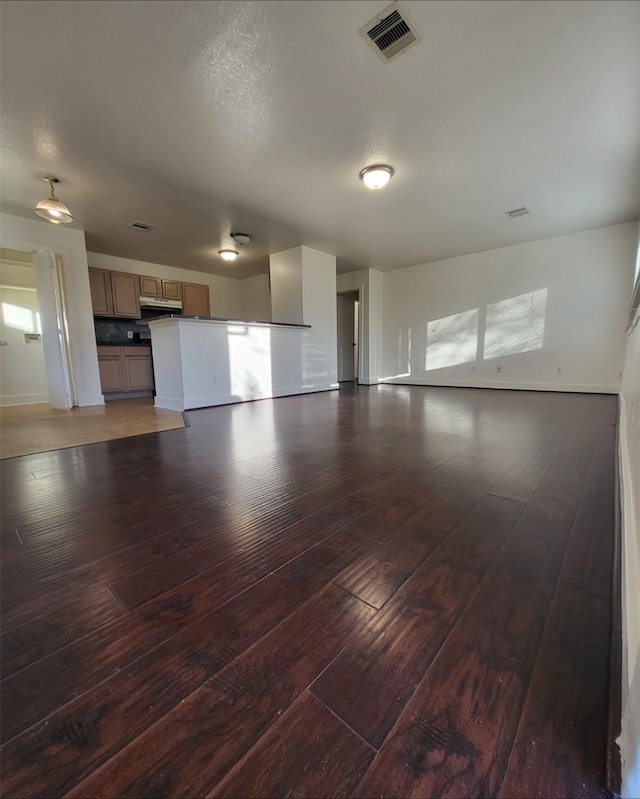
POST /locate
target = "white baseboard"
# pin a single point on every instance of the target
(169, 404)
(570, 387)
(90, 399)
(23, 399)
(173, 404)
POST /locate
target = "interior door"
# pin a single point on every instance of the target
(53, 336)
(345, 338)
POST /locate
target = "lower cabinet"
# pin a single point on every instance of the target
(125, 369)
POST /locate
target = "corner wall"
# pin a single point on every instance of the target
(514, 316)
(629, 454)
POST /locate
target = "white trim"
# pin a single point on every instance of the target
(23, 399)
(169, 404)
(173, 404)
(571, 387)
(93, 399)
(17, 288)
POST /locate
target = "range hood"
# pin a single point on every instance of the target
(154, 302)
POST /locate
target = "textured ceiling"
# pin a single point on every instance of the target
(207, 117)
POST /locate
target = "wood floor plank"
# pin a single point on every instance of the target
(454, 736)
(28, 696)
(229, 541)
(589, 552)
(377, 576)
(51, 758)
(43, 635)
(555, 753)
(391, 656)
(188, 751)
(307, 752)
(143, 585)
(381, 520)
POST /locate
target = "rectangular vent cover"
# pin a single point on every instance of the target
(391, 33)
(144, 226)
(518, 212)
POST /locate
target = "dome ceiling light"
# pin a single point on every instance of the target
(241, 238)
(228, 255)
(52, 209)
(376, 176)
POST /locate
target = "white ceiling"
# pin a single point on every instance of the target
(208, 117)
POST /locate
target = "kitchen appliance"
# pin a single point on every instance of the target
(155, 302)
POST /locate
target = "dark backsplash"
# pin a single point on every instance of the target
(114, 331)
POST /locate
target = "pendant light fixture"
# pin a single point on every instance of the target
(376, 176)
(52, 209)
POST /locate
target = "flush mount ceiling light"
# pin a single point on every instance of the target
(52, 209)
(228, 255)
(376, 176)
(241, 238)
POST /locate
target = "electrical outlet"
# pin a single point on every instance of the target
(215, 380)
(558, 370)
(499, 369)
(129, 333)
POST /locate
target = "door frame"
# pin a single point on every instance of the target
(49, 288)
(358, 291)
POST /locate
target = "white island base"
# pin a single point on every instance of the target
(198, 363)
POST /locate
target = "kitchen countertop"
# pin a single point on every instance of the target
(225, 320)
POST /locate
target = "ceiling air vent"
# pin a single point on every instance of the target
(518, 212)
(391, 33)
(143, 226)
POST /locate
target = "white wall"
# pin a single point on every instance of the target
(528, 310)
(225, 293)
(23, 376)
(370, 284)
(629, 453)
(320, 344)
(28, 235)
(285, 269)
(256, 298)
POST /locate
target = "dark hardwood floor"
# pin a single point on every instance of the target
(385, 591)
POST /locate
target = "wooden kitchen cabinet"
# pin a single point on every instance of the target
(160, 289)
(137, 368)
(100, 285)
(114, 293)
(195, 299)
(150, 287)
(125, 289)
(171, 290)
(111, 369)
(124, 369)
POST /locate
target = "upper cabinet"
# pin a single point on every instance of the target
(126, 294)
(114, 293)
(160, 288)
(150, 287)
(118, 293)
(171, 290)
(101, 295)
(195, 299)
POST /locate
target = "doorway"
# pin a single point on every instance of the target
(34, 336)
(348, 314)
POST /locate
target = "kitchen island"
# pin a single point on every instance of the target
(203, 361)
